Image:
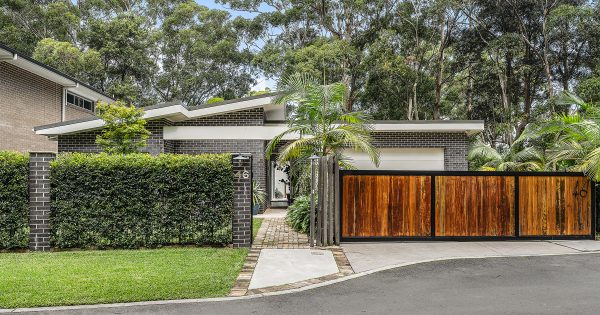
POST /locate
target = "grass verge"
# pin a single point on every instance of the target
(256, 223)
(91, 277)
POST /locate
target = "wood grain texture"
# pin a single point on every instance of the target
(554, 205)
(474, 206)
(381, 206)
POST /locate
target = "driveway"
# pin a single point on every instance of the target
(372, 256)
(542, 284)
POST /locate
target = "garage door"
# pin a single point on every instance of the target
(430, 159)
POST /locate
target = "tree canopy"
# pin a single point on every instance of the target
(504, 62)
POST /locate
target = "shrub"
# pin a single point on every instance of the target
(124, 130)
(298, 214)
(137, 200)
(14, 202)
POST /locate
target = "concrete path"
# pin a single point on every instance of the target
(282, 266)
(272, 213)
(519, 285)
(369, 256)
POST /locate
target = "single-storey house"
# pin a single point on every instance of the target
(247, 124)
(33, 94)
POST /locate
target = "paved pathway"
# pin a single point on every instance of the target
(281, 259)
(534, 285)
(276, 233)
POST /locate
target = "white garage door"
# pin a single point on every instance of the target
(430, 159)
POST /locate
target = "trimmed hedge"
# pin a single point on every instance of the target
(14, 200)
(137, 200)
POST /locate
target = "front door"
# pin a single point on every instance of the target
(280, 184)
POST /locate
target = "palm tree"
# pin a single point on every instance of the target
(320, 122)
(515, 158)
(574, 139)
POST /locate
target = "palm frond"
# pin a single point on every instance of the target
(484, 152)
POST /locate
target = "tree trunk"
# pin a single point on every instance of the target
(439, 75)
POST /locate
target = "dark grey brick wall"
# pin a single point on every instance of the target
(39, 200)
(242, 211)
(250, 117)
(455, 145)
(86, 141)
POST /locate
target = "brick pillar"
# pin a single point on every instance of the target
(242, 209)
(39, 200)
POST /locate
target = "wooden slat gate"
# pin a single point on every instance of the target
(396, 205)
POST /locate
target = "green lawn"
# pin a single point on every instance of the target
(255, 226)
(89, 277)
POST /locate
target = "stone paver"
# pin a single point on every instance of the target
(276, 233)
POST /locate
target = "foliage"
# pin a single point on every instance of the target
(92, 277)
(482, 157)
(64, 56)
(259, 195)
(298, 214)
(124, 130)
(318, 116)
(256, 223)
(213, 100)
(137, 200)
(14, 200)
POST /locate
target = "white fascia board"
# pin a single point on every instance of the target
(41, 71)
(230, 107)
(474, 126)
(5, 55)
(225, 132)
(71, 128)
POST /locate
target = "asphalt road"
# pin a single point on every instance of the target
(550, 285)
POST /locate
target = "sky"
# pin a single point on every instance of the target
(261, 81)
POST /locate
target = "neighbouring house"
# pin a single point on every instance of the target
(246, 125)
(33, 94)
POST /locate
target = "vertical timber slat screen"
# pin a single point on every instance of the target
(386, 206)
(400, 205)
(556, 205)
(475, 205)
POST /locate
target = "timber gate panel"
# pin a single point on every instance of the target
(386, 206)
(475, 205)
(555, 205)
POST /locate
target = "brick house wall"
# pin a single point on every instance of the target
(26, 100)
(86, 141)
(75, 112)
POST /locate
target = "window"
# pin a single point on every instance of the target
(79, 101)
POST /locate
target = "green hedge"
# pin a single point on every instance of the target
(137, 200)
(14, 202)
